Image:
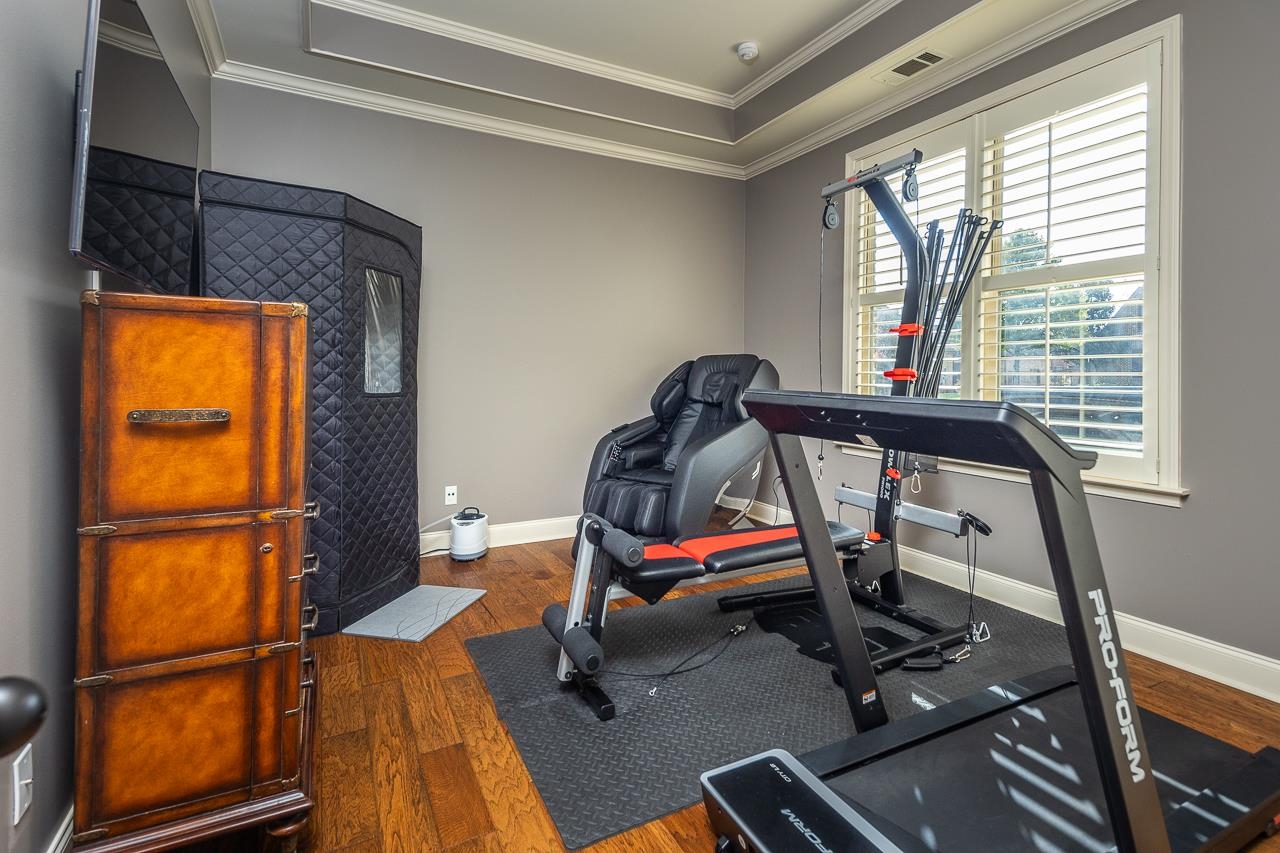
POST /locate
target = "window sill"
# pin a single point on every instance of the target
(1093, 484)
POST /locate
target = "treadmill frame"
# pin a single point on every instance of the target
(996, 433)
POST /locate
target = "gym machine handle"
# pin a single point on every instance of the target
(619, 544)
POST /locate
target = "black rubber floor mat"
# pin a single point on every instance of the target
(600, 778)
(803, 625)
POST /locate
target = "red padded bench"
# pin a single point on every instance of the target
(728, 551)
(653, 573)
(720, 552)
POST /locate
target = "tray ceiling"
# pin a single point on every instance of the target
(656, 82)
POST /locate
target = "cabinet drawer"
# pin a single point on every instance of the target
(156, 597)
(165, 746)
(190, 407)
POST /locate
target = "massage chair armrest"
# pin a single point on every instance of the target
(612, 443)
(642, 454)
(704, 468)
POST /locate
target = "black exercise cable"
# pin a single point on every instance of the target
(777, 507)
(680, 668)
(978, 632)
(822, 259)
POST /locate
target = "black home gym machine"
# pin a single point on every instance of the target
(1062, 759)
(937, 274)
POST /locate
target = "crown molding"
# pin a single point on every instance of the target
(423, 22)
(832, 36)
(130, 40)
(215, 55)
(1028, 38)
(253, 75)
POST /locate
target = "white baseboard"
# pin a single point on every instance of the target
(61, 840)
(1219, 662)
(509, 533)
(767, 513)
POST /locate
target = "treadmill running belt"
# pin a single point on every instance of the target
(1026, 779)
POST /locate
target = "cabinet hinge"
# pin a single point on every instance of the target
(96, 530)
(92, 681)
(90, 835)
(286, 513)
(281, 648)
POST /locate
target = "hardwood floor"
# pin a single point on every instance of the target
(413, 758)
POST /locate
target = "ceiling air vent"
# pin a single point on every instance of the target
(909, 68)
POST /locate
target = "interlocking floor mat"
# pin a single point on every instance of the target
(600, 778)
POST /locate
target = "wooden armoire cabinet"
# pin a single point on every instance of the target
(195, 694)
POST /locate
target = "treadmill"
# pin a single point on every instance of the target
(1054, 761)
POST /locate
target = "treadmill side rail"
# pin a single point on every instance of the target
(1228, 815)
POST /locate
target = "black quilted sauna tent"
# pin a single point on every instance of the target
(357, 267)
(139, 215)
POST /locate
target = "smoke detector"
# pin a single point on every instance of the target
(747, 51)
(905, 69)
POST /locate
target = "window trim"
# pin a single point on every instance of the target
(1165, 224)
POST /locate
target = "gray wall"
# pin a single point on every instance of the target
(1208, 567)
(175, 34)
(558, 287)
(40, 47)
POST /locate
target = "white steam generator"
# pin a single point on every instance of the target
(468, 534)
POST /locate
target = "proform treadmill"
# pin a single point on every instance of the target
(1054, 761)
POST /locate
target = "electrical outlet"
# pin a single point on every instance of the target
(450, 495)
(22, 781)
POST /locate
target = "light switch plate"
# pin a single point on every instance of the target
(22, 781)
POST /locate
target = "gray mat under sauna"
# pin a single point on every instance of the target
(600, 778)
(416, 614)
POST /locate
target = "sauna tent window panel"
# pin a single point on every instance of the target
(383, 326)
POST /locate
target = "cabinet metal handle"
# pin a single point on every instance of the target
(315, 617)
(311, 510)
(310, 565)
(307, 663)
(304, 684)
(179, 416)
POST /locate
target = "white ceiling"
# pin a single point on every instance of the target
(690, 41)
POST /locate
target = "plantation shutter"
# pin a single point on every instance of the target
(1063, 328)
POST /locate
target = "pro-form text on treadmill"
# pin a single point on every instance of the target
(1124, 709)
(809, 834)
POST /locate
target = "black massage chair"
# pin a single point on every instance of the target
(660, 478)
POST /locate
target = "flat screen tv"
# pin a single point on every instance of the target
(134, 181)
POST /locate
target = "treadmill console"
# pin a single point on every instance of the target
(772, 802)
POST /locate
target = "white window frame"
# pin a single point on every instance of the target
(1162, 309)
